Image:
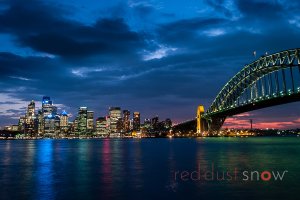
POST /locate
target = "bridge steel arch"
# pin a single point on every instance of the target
(270, 80)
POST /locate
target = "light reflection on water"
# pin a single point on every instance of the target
(44, 170)
(107, 168)
(143, 169)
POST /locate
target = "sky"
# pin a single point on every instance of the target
(157, 57)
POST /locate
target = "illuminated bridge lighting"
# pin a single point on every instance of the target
(270, 80)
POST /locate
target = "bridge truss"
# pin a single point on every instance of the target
(270, 80)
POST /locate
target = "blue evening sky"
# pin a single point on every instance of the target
(157, 57)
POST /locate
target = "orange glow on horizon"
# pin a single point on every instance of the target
(243, 121)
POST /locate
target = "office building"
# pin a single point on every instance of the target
(154, 123)
(30, 112)
(47, 106)
(136, 121)
(126, 121)
(29, 125)
(49, 125)
(82, 120)
(90, 120)
(48, 115)
(64, 122)
(147, 123)
(115, 115)
(102, 127)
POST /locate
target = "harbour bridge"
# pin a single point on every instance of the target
(268, 81)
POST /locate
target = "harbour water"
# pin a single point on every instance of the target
(150, 168)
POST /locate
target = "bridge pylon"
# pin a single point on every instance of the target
(201, 122)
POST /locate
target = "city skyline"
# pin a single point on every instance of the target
(48, 122)
(148, 56)
(39, 106)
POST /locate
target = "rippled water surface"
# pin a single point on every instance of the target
(148, 168)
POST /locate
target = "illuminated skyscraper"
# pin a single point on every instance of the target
(50, 123)
(30, 113)
(108, 124)
(40, 119)
(30, 118)
(64, 121)
(82, 120)
(136, 121)
(115, 115)
(102, 127)
(21, 123)
(120, 125)
(90, 120)
(75, 127)
(47, 106)
(131, 124)
(126, 120)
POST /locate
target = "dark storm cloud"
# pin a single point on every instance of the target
(191, 24)
(265, 9)
(44, 28)
(30, 17)
(107, 36)
(32, 66)
(27, 78)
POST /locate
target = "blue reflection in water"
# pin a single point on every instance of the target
(136, 168)
(117, 162)
(44, 170)
(83, 166)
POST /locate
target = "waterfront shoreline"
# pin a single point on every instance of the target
(126, 138)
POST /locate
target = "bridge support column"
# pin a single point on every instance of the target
(201, 122)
